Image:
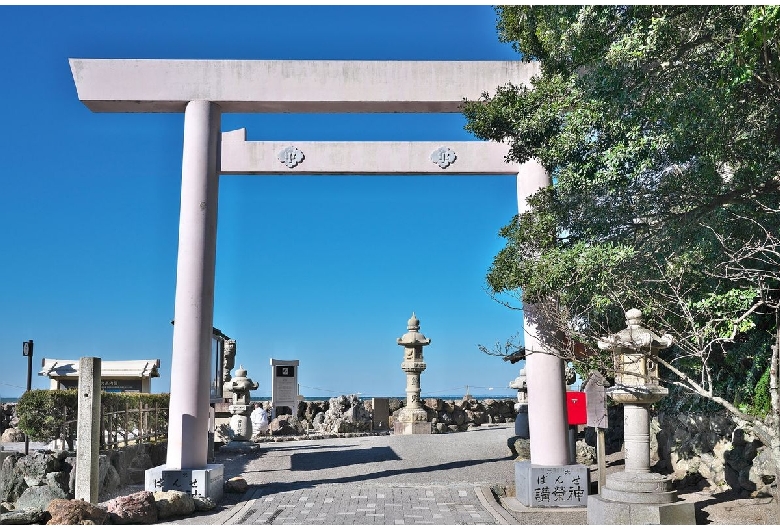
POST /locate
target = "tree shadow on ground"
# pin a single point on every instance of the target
(304, 484)
(745, 510)
(337, 458)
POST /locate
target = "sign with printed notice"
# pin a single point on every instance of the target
(284, 383)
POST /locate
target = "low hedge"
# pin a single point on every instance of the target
(46, 415)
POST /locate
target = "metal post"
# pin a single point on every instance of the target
(27, 351)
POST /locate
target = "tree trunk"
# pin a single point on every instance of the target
(774, 411)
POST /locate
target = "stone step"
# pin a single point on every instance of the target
(638, 482)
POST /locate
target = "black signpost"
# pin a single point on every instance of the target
(27, 351)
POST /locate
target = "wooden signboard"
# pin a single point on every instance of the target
(596, 399)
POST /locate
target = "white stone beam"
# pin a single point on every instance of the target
(163, 85)
(240, 157)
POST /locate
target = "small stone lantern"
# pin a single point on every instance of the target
(636, 496)
(413, 418)
(240, 385)
(521, 407)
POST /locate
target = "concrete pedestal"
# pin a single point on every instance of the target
(602, 511)
(638, 498)
(205, 482)
(551, 486)
(412, 427)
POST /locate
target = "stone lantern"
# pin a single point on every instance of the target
(240, 385)
(636, 496)
(413, 418)
(521, 407)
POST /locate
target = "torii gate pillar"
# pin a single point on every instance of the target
(194, 305)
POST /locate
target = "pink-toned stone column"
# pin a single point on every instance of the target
(547, 420)
(194, 305)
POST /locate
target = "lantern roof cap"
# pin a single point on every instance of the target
(635, 336)
(413, 337)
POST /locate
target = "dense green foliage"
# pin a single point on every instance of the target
(659, 125)
(46, 415)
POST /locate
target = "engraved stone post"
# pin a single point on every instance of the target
(88, 430)
(413, 418)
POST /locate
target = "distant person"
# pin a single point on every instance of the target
(259, 420)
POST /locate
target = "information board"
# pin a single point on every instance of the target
(284, 384)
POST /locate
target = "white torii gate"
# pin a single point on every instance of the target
(204, 89)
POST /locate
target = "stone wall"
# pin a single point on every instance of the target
(709, 451)
(32, 481)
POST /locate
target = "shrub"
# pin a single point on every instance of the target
(46, 415)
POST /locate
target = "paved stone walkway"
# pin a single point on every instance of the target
(350, 505)
(407, 480)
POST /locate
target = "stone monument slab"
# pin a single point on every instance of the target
(207, 482)
(380, 414)
(551, 486)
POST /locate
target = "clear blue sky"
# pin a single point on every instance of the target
(326, 270)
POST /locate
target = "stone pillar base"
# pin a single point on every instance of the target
(638, 498)
(603, 511)
(551, 486)
(412, 427)
(206, 482)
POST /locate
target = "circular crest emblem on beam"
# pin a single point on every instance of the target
(290, 156)
(443, 157)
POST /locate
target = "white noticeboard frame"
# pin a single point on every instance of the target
(284, 385)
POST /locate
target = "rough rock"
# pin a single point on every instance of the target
(39, 497)
(203, 504)
(37, 464)
(111, 482)
(318, 420)
(520, 447)
(12, 483)
(762, 472)
(476, 417)
(12, 434)
(137, 508)
(282, 426)
(585, 454)
(173, 503)
(23, 517)
(458, 417)
(434, 403)
(142, 460)
(108, 477)
(65, 511)
(236, 485)
(346, 414)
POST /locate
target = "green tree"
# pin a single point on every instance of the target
(45, 415)
(660, 127)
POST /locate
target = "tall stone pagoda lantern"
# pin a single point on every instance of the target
(636, 496)
(413, 418)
